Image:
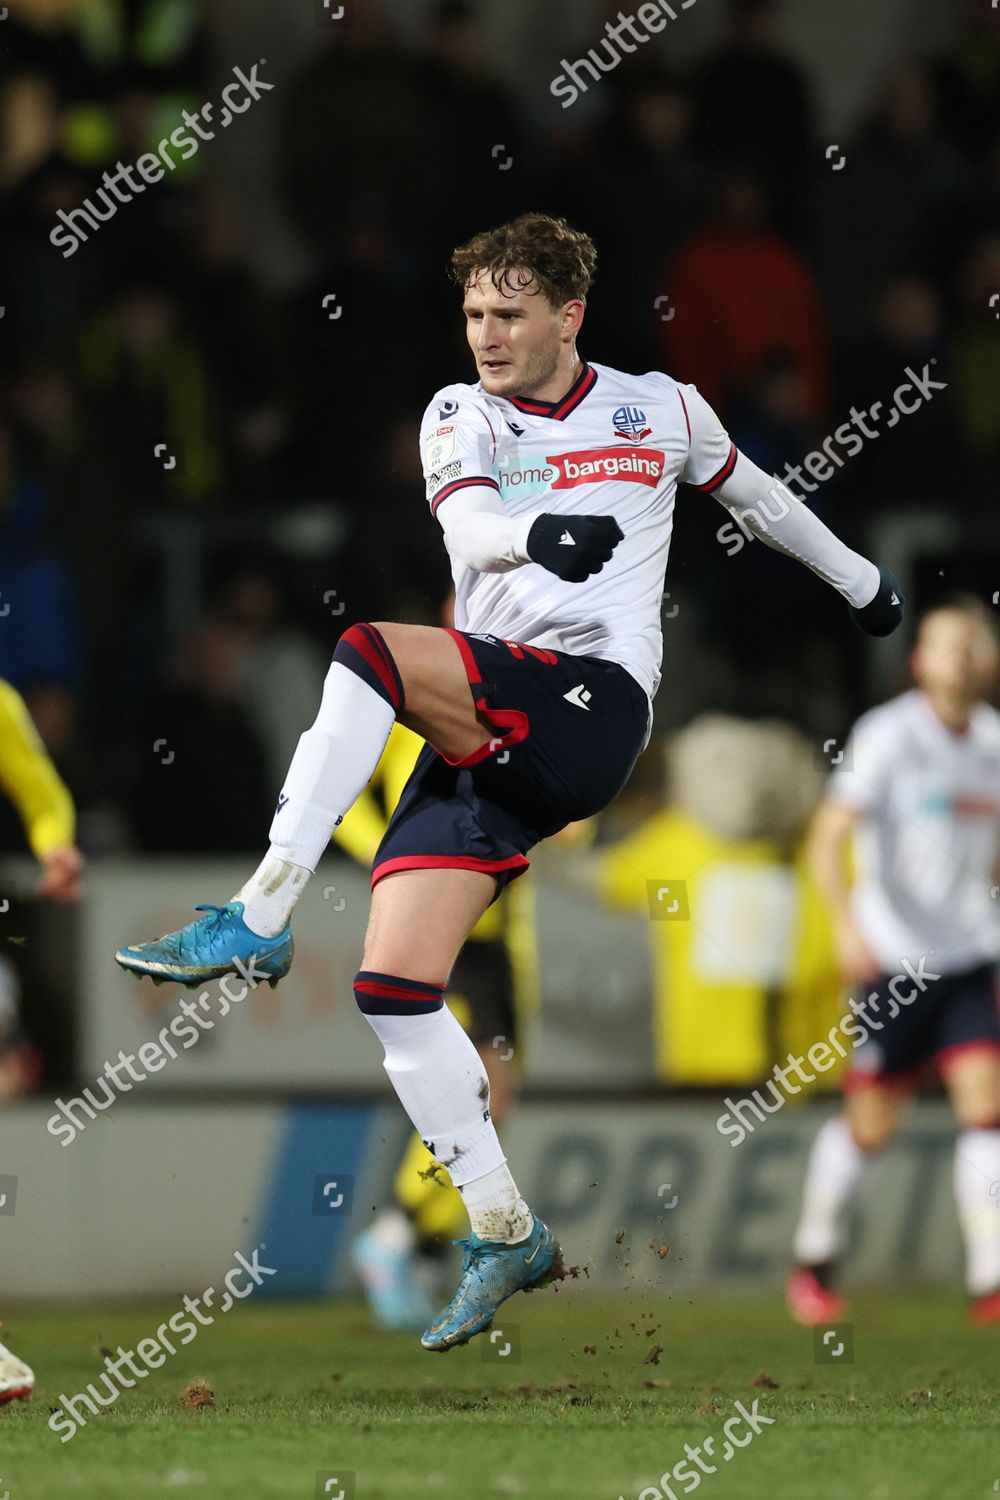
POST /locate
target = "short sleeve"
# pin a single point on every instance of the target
(861, 771)
(457, 445)
(712, 453)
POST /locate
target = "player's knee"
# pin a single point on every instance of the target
(872, 1128)
(981, 1113)
(363, 650)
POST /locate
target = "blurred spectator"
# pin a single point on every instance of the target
(39, 625)
(240, 343)
(878, 213)
(636, 232)
(472, 137)
(754, 100)
(355, 129)
(406, 580)
(974, 363)
(968, 78)
(143, 374)
(743, 295)
(201, 782)
(281, 671)
(919, 458)
(20, 1062)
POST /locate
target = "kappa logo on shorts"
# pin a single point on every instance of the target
(578, 696)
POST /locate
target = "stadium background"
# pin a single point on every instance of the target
(168, 615)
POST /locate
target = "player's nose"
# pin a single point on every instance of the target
(489, 335)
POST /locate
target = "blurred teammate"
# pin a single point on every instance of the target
(30, 780)
(554, 482)
(492, 988)
(919, 935)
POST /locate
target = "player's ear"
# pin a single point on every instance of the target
(572, 318)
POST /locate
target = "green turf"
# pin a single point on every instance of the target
(302, 1390)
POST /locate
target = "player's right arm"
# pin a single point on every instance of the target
(31, 781)
(828, 851)
(458, 450)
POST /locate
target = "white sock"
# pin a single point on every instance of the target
(836, 1166)
(495, 1207)
(332, 764)
(270, 893)
(977, 1191)
(442, 1085)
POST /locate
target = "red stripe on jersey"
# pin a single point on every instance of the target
(461, 484)
(686, 417)
(723, 474)
(559, 410)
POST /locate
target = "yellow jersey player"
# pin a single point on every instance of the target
(32, 783)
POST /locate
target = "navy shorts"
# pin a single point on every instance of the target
(952, 1014)
(569, 730)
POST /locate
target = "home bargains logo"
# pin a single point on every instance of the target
(596, 465)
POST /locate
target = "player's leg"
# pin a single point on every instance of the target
(401, 1256)
(378, 673)
(972, 1078)
(419, 921)
(840, 1156)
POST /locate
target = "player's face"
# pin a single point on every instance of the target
(955, 654)
(516, 336)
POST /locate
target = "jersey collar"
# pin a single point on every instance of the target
(559, 410)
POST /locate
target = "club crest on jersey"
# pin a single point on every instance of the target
(629, 422)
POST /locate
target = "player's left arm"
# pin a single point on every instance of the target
(31, 781)
(767, 509)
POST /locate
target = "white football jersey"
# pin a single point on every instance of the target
(927, 843)
(615, 445)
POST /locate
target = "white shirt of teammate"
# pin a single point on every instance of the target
(928, 836)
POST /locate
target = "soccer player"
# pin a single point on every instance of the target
(553, 480)
(32, 783)
(491, 988)
(918, 791)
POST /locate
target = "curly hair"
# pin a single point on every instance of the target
(561, 260)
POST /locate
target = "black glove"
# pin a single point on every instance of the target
(573, 546)
(885, 611)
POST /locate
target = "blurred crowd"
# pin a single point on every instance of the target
(206, 474)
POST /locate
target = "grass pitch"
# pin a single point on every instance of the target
(595, 1400)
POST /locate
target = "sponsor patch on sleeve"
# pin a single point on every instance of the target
(444, 475)
(439, 446)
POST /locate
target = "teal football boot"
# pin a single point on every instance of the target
(492, 1272)
(216, 944)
